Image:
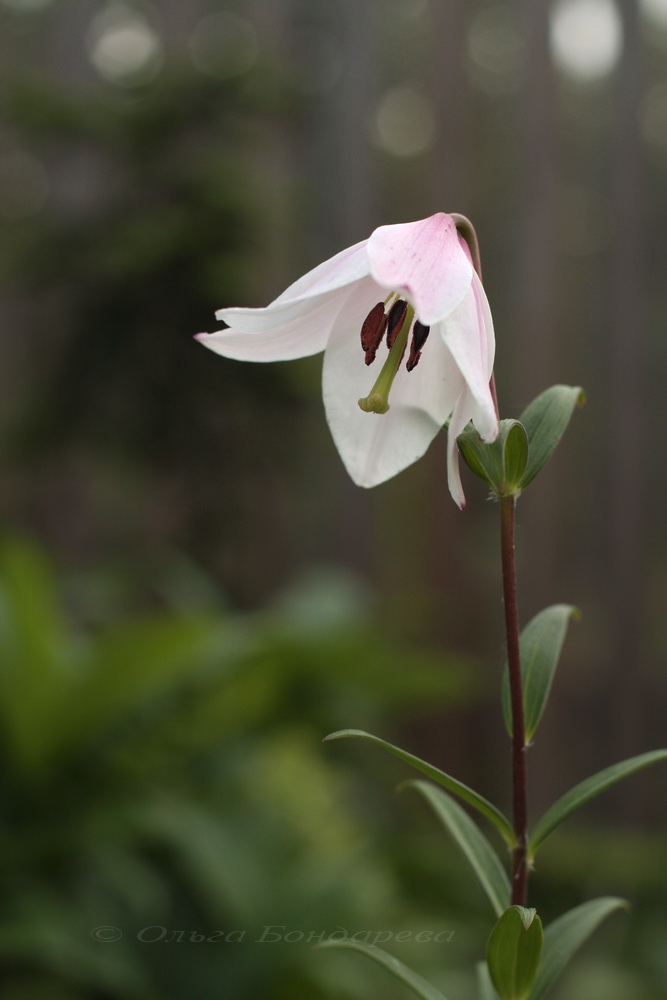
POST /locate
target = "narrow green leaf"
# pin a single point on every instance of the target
(545, 420)
(566, 935)
(478, 802)
(587, 790)
(541, 644)
(483, 859)
(513, 952)
(412, 979)
(484, 984)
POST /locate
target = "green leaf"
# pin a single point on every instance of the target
(501, 463)
(513, 952)
(540, 646)
(412, 979)
(515, 455)
(566, 935)
(483, 859)
(587, 790)
(478, 802)
(480, 460)
(545, 421)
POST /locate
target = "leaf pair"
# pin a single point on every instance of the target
(562, 939)
(524, 446)
(516, 974)
(464, 792)
(513, 952)
(554, 816)
(541, 643)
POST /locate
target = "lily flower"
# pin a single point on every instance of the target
(409, 286)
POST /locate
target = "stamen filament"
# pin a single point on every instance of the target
(377, 400)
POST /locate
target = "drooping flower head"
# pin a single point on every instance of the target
(406, 302)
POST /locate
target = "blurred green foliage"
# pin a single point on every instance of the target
(166, 771)
(163, 777)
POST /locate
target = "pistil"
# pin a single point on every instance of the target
(377, 400)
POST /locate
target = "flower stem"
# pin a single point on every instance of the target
(519, 775)
(520, 867)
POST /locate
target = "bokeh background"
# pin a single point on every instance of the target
(192, 593)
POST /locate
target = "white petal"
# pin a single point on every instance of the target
(276, 314)
(297, 323)
(282, 334)
(327, 279)
(468, 333)
(434, 385)
(424, 259)
(459, 419)
(376, 447)
(343, 269)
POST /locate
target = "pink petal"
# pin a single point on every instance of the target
(426, 261)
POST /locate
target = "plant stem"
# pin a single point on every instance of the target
(519, 776)
(520, 868)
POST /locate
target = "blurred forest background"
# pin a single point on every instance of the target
(192, 593)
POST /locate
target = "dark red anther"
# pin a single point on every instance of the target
(395, 321)
(419, 335)
(372, 331)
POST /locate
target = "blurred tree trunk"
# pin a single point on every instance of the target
(628, 392)
(338, 159)
(278, 162)
(450, 92)
(537, 313)
(346, 175)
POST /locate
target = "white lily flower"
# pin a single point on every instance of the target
(414, 278)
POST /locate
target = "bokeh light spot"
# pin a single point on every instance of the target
(495, 50)
(405, 122)
(655, 11)
(586, 38)
(123, 47)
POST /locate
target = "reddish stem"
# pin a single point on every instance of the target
(520, 869)
(519, 774)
